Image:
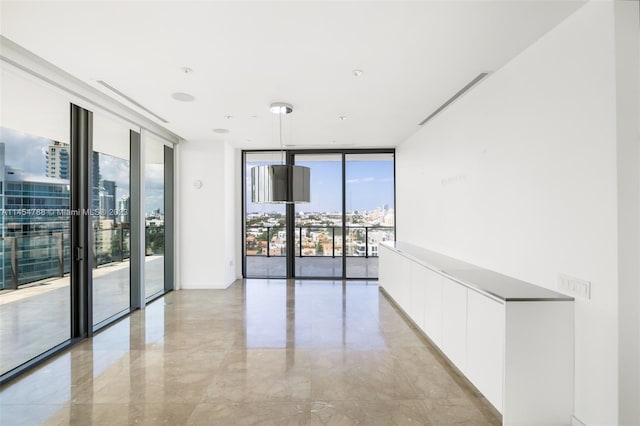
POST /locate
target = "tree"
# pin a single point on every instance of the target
(155, 240)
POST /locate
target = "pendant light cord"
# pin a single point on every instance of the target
(281, 146)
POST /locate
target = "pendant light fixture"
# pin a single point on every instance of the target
(280, 183)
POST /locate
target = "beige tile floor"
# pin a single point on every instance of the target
(261, 352)
(36, 318)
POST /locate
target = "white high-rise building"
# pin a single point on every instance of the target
(58, 160)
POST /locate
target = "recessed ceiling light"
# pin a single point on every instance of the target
(343, 117)
(186, 70)
(281, 108)
(182, 97)
(221, 131)
(356, 73)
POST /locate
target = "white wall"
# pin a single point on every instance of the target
(25, 97)
(207, 242)
(239, 220)
(628, 114)
(231, 170)
(520, 176)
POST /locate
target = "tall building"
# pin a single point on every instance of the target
(108, 200)
(95, 181)
(104, 221)
(124, 205)
(58, 160)
(2, 186)
(43, 228)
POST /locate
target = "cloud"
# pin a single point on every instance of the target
(115, 169)
(368, 179)
(154, 187)
(25, 151)
(361, 180)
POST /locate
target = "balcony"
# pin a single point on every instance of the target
(27, 259)
(35, 293)
(318, 250)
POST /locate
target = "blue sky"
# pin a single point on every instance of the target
(27, 152)
(369, 185)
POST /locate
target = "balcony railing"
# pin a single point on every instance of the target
(30, 258)
(360, 241)
(26, 259)
(111, 245)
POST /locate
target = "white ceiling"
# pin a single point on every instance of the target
(245, 55)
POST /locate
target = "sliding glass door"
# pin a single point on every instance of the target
(111, 217)
(337, 234)
(318, 225)
(73, 246)
(35, 150)
(154, 212)
(369, 211)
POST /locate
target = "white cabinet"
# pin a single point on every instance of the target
(433, 306)
(394, 275)
(385, 268)
(539, 354)
(512, 340)
(485, 346)
(454, 322)
(402, 281)
(418, 299)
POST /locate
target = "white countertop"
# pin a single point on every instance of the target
(485, 281)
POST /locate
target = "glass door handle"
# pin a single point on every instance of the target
(78, 255)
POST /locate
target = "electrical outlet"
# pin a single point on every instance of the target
(575, 286)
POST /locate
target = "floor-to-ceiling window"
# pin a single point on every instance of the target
(265, 236)
(111, 217)
(369, 209)
(154, 213)
(318, 225)
(35, 313)
(66, 238)
(336, 234)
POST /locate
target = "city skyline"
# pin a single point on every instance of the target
(369, 185)
(29, 153)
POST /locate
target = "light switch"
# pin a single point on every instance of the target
(575, 286)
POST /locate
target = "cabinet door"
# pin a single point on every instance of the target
(433, 307)
(454, 322)
(485, 346)
(418, 297)
(385, 268)
(402, 281)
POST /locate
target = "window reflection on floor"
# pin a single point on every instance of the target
(37, 317)
(283, 314)
(269, 351)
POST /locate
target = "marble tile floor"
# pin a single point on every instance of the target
(34, 319)
(261, 352)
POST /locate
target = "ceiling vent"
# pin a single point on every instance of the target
(128, 99)
(454, 97)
